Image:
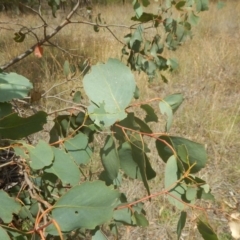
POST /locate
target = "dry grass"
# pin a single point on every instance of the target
(208, 77)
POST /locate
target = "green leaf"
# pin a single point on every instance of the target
(143, 126)
(96, 28)
(8, 206)
(171, 42)
(136, 39)
(99, 236)
(174, 100)
(191, 193)
(145, 3)
(135, 163)
(140, 219)
(171, 173)
(13, 86)
(123, 215)
(201, 5)
(64, 167)
(180, 4)
(181, 223)
(183, 154)
(3, 234)
(145, 17)
(169, 105)
(206, 231)
(20, 152)
(168, 3)
(136, 93)
(85, 206)
(19, 37)
(172, 63)
(221, 5)
(54, 4)
(151, 115)
(15, 127)
(192, 18)
(196, 152)
(109, 157)
(5, 109)
(111, 88)
(164, 78)
(166, 109)
(176, 191)
(66, 69)
(78, 148)
(77, 97)
(137, 8)
(128, 165)
(40, 156)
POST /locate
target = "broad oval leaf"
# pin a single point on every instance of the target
(3, 234)
(78, 148)
(191, 193)
(85, 206)
(110, 87)
(64, 167)
(12, 86)
(8, 206)
(40, 156)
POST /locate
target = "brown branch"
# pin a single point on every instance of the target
(41, 42)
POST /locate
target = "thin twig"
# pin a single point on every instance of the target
(41, 42)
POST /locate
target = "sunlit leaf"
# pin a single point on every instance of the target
(138, 8)
(12, 86)
(40, 156)
(110, 87)
(99, 235)
(78, 148)
(3, 234)
(8, 206)
(175, 190)
(64, 167)
(202, 5)
(84, 206)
